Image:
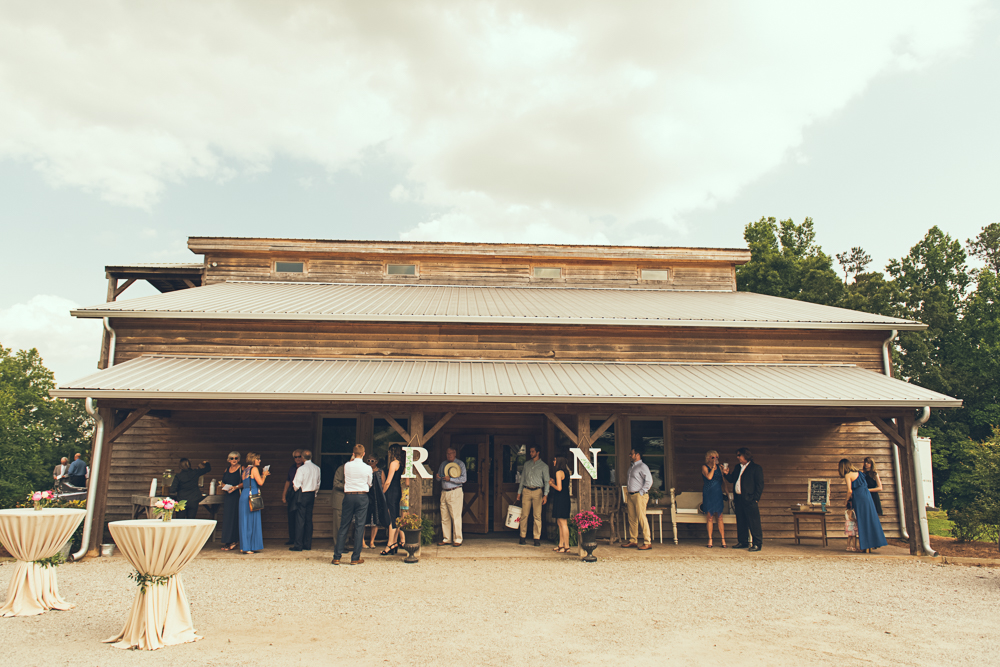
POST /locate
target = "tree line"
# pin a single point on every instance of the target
(956, 355)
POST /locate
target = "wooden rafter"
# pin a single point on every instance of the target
(889, 431)
(396, 427)
(554, 418)
(125, 286)
(604, 427)
(189, 283)
(437, 427)
(128, 422)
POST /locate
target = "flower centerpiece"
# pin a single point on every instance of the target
(165, 508)
(41, 498)
(587, 523)
(411, 525)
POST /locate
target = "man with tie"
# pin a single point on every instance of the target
(748, 483)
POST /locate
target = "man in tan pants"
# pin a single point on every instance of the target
(639, 482)
(452, 498)
(533, 492)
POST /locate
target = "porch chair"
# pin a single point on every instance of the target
(607, 504)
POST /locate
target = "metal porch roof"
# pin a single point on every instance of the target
(491, 305)
(278, 379)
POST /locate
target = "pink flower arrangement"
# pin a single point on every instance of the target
(42, 495)
(587, 520)
(167, 506)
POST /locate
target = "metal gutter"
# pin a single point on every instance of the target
(95, 472)
(896, 471)
(925, 534)
(112, 342)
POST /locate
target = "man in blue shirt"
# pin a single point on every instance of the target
(452, 498)
(77, 471)
(639, 482)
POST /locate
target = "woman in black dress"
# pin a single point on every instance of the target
(185, 487)
(559, 496)
(874, 482)
(393, 493)
(233, 476)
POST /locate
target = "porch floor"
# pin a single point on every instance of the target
(493, 546)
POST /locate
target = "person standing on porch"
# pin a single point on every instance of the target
(337, 499)
(297, 461)
(78, 471)
(748, 485)
(452, 498)
(185, 487)
(640, 481)
(534, 490)
(251, 529)
(305, 484)
(357, 481)
(870, 535)
(713, 500)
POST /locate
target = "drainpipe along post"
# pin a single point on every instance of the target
(95, 471)
(896, 471)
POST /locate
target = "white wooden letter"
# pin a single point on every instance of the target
(578, 458)
(415, 465)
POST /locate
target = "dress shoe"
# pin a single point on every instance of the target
(538, 543)
(358, 561)
(295, 548)
(645, 547)
(335, 561)
(442, 543)
(456, 544)
(629, 545)
(754, 548)
(289, 542)
(741, 546)
(522, 541)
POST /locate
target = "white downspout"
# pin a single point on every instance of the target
(112, 341)
(896, 471)
(95, 472)
(925, 533)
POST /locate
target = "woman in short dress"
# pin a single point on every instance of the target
(559, 497)
(393, 493)
(251, 532)
(870, 535)
(233, 476)
(874, 482)
(712, 496)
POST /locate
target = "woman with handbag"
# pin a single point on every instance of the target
(251, 531)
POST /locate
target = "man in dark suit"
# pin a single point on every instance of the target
(748, 482)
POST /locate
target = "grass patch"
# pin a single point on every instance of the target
(939, 524)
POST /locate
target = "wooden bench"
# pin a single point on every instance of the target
(684, 509)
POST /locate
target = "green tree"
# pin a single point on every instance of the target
(785, 261)
(986, 246)
(35, 430)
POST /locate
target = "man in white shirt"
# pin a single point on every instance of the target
(357, 482)
(305, 484)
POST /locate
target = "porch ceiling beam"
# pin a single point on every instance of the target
(126, 424)
(396, 427)
(604, 427)
(189, 283)
(554, 418)
(437, 427)
(888, 431)
(128, 283)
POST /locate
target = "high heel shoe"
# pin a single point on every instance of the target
(390, 551)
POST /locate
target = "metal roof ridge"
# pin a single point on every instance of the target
(512, 287)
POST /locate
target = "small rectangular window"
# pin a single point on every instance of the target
(547, 272)
(401, 269)
(289, 267)
(655, 274)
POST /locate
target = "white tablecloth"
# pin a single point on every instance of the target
(31, 535)
(161, 615)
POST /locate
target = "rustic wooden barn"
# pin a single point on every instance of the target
(271, 345)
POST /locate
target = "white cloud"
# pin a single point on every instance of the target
(69, 347)
(521, 121)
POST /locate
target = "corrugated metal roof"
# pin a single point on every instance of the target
(493, 305)
(187, 377)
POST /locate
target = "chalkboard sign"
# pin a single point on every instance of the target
(818, 492)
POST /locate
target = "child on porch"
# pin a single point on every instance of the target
(851, 529)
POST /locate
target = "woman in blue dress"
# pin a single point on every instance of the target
(251, 533)
(870, 535)
(712, 498)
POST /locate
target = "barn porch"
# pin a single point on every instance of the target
(798, 419)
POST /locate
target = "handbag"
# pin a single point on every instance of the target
(256, 502)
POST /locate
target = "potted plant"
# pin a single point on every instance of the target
(655, 495)
(165, 508)
(411, 525)
(587, 523)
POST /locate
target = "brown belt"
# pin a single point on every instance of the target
(355, 493)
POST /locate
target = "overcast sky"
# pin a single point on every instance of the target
(127, 127)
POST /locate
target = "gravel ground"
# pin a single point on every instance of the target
(768, 611)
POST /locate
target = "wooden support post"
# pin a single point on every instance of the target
(119, 290)
(911, 498)
(668, 452)
(416, 484)
(583, 442)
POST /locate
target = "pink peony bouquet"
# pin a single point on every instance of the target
(587, 520)
(42, 495)
(168, 506)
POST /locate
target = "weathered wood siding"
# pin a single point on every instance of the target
(467, 341)
(370, 268)
(791, 451)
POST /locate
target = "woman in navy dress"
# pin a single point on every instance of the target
(712, 498)
(870, 535)
(251, 532)
(233, 476)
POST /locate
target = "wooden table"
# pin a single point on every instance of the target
(30, 536)
(212, 504)
(799, 514)
(144, 505)
(160, 615)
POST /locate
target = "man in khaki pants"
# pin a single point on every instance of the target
(639, 482)
(533, 492)
(452, 498)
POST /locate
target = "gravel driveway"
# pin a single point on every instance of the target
(518, 611)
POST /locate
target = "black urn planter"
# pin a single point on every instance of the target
(588, 540)
(411, 548)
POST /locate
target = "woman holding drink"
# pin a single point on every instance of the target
(712, 497)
